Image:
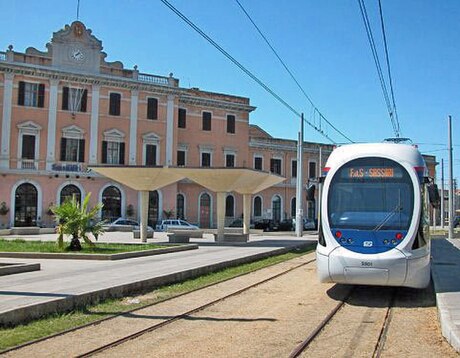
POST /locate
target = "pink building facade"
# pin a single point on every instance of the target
(66, 109)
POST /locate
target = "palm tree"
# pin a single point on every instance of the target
(77, 220)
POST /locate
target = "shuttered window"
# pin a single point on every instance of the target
(152, 108)
(180, 158)
(72, 150)
(115, 104)
(182, 120)
(206, 121)
(113, 152)
(230, 123)
(31, 94)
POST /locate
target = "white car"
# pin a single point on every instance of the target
(122, 224)
(175, 224)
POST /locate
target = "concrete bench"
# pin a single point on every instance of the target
(175, 238)
(137, 234)
(194, 234)
(28, 230)
(233, 237)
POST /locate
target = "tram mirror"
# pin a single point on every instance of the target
(433, 195)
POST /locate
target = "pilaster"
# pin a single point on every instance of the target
(133, 127)
(6, 121)
(93, 135)
(169, 130)
(52, 114)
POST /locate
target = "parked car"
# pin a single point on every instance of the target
(266, 225)
(456, 221)
(176, 224)
(308, 224)
(122, 224)
(239, 223)
(286, 225)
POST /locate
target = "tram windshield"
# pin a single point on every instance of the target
(371, 194)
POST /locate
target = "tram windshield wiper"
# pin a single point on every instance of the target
(397, 208)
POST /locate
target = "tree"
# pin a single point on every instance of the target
(76, 219)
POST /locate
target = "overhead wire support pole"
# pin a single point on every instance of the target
(299, 183)
(443, 210)
(451, 182)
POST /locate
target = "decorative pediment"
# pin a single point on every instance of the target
(73, 131)
(151, 138)
(114, 135)
(29, 126)
(76, 33)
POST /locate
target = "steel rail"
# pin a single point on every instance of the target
(154, 327)
(384, 331)
(303, 345)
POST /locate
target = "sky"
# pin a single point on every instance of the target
(323, 42)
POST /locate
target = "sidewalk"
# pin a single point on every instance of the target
(446, 277)
(61, 285)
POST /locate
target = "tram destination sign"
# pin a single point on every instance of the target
(372, 172)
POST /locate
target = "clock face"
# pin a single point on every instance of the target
(77, 54)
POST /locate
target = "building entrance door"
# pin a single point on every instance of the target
(25, 205)
(205, 211)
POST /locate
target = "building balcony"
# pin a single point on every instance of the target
(27, 164)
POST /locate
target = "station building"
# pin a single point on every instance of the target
(66, 109)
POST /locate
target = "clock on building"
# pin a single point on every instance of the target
(77, 54)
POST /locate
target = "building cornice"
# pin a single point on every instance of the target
(208, 102)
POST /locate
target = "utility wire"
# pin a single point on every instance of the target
(241, 67)
(289, 71)
(370, 37)
(389, 70)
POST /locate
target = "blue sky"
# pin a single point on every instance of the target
(323, 42)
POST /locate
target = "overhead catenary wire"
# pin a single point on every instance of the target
(241, 67)
(290, 73)
(390, 78)
(375, 56)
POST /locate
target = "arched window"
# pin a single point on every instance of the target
(111, 198)
(68, 191)
(276, 208)
(257, 206)
(153, 208)
(25, 205)
(230, 206)
(293, 206)
(180, 206)
(205, 210)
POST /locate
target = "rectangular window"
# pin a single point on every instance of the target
(230, 160)
(181, 158)
(28, 147)
(72, 150)
(152, 108)
(113, 152)
(115, 104)
(294, 168)
(182, 120)
(311, 170)
(275, 166)
(205, 159)
(150, 155)
(258, 163)
(74, 99)
(230, 123)
(31, 94)
(206, 121)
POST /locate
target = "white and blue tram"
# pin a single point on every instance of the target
(374, 227)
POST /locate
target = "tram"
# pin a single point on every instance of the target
(374, 227)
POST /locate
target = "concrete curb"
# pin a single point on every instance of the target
(445, 272)
(70, 302)
(12, 268)
(112, 257)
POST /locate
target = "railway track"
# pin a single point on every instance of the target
(380, 343)
(164, 323)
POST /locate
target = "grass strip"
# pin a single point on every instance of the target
(10, 337)
(20, 245)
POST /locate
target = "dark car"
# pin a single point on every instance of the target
(456, 221)
(266, 225)
(286, 225)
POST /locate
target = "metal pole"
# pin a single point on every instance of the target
(320, 171)
(442, 195)
(299, 186)
(451, 184)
